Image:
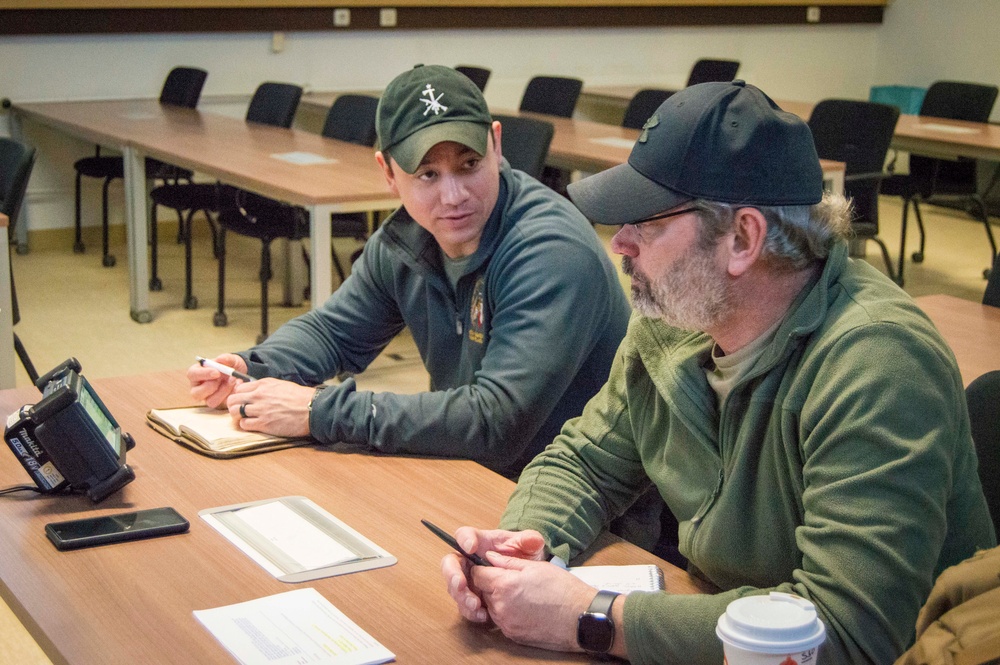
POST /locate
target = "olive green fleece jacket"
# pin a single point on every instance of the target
(839, 468)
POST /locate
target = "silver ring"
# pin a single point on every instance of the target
(243, 410)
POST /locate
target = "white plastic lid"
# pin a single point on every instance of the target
(776, 623)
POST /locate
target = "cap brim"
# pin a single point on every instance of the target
(409, 152)
(622, 195)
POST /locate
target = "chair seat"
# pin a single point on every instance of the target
(114, 167)
(199, 196)
(288, 223)
(349, 225)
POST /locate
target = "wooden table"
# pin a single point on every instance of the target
(233, 151)
(133, 602)
(970, 328)
(7, 377)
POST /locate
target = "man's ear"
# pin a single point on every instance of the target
(746, 241)
(497, 131)
(390, 176)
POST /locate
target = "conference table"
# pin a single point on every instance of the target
(7, 377)
(323, 175)
(133, 602)
(971, 330)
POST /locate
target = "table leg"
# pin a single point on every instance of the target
(321, 261)
(7, 377)
(136, 232)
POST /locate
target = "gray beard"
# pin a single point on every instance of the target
(692, 294)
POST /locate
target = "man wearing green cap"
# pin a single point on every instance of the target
(510, 297)
(800, 416)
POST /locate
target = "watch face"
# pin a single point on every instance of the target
(595, 633)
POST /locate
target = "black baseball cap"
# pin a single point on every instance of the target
(725, 142)
(427, 105)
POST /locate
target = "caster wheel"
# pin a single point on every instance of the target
(918, 257)
(79, 248)
(219, 319)
(155, 284)
(21, 250)
(987, 273)
(109, 261)
(191, 303)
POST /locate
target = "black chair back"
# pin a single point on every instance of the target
(953, 100)
(525, 142)
(858, 134)
(643, 104)
(553, 95)
(479, 75)
(352, 119)
(274, 104)
(16, 162)
(706, 70)
(182, 87)
(983, 396)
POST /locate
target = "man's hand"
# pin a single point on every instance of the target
(212, 386)
(271, 406)
(456, 569)
(533, 602)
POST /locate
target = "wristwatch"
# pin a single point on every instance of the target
(595, 631)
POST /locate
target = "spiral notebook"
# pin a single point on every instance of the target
(623, 579)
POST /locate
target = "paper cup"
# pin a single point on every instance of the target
(777, 629)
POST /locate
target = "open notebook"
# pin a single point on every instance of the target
(212, 432)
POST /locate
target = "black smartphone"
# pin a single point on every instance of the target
(92, 531)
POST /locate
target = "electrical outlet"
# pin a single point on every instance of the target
(387, 17)
(277, 42)
(812, 14)
(341, 17)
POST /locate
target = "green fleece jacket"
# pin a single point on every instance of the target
(840, 468)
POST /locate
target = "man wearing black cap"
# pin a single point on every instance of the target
(799, 415)
(512, 301)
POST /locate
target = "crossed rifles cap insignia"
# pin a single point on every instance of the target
(432, 103)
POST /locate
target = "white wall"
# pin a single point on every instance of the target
(802, 62)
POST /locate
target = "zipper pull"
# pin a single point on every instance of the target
(458, 326)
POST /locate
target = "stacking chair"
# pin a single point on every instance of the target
(941, 180)
(707, 70)
(858, 134)
(554, 95)
(257, 216)
(983, 397)
(479, 75)
(642, 105)
(16, 162)
(351, 119)
(182, 87)
(271, 104)
(525, 142)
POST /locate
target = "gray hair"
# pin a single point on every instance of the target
(796, 235)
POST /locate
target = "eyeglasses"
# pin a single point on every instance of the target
(667, 215)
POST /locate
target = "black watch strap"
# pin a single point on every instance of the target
(602, 603)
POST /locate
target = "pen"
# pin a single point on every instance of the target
(225, 369)
(443, 535)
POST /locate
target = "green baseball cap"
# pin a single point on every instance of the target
(427, 105)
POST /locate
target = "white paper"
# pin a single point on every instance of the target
(615, 142)
(303, 158)
(295, 627)
(295, 536)
(948, 129)
(623, 579)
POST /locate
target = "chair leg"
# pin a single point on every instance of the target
(918, 256)
(219, 319)
(78, 246)
(22, 353)
(902, 242)
(265, 277)
(108, 259)
(337, 264)
(190, 302)
(885, 257)
(155, 284)
(984, 217)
